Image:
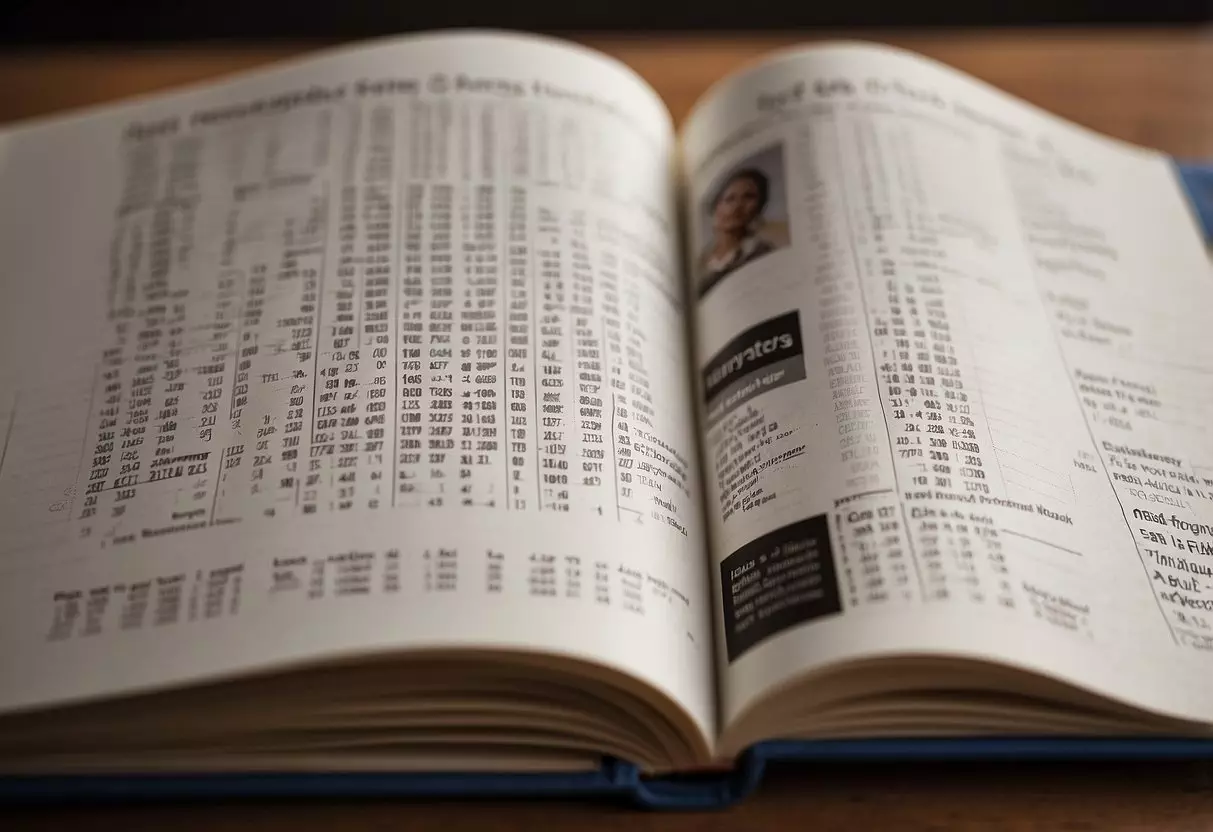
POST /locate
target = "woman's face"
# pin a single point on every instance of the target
(737, 206)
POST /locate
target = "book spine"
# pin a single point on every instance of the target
(691, 792)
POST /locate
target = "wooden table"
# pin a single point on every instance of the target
(1154, 87)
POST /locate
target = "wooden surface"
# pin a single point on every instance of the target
(1151, 87)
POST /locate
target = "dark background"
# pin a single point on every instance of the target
(39, 22)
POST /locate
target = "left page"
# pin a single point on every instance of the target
(379, 350)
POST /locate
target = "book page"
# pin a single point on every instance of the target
(955, 380)
(379, 350)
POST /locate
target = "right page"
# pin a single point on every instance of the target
(954, 384)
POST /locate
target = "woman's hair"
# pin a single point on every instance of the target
(754, 175)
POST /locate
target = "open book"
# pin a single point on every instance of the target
(432, 406)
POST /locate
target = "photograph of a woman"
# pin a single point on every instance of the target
(739, 223)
